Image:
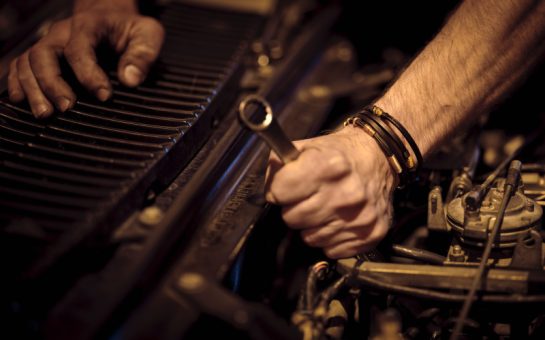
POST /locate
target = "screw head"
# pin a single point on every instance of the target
(457, 250)
(191, 281)
(151, 215)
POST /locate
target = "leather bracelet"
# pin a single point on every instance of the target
(381, 113)
(376, 123)
(386, 143)
(394, 162)
(388, 134)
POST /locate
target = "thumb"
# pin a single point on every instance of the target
(143, 47)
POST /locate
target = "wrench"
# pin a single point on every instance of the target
(268, 128)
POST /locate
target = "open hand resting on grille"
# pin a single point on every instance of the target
(36, 75)
(338, 192)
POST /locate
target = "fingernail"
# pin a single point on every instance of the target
(63, 104)
(40, 111)
(103, 94)
(133, 75)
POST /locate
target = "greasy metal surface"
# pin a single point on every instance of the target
(502, 280)
(84, 171)
(522, 215)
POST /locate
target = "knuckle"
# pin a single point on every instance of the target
(293, 220)
(276, 189)
(87, 79)
(353, 195)
(71, 52)
(85, 19)
(20, 63)
(332, 164)
(338, 163)
(332, 253)
(57, 26)
(35, 52)
(371, 238)
(57, 29)
(47, 85)
(13, 66)
(152, 23)
(311, 241)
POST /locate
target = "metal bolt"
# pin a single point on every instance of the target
(457, 250)
(263, 60)
(151, 215)
(319, 91)
(344, 54)
(457, 254)
(434, 203)
(191, 281)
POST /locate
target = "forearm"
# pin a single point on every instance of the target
(128, 5)
(482, 52)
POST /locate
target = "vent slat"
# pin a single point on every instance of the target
(97, 118)
(150, 109)
(20, 181)
(120, 133)
(198, 98)
(82, 172)
(101, 150)
(109, 141)
(174, 103)
(75, 178)
(74, 167)
(63, 154)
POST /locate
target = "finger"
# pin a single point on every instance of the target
(362, 241)
(80, 54)
(342, 200)
(275, 164)
(309, 213)
(351, 218)
(16, 93)
(45, 66)
(298, 180)
(144, 45)
(39, 104)
(327, 235)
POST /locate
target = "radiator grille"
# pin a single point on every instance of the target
(83, 171)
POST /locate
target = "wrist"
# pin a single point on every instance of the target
(366, 152)
(409, 118)
(118, 5)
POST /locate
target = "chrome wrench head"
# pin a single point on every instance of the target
(268, 128)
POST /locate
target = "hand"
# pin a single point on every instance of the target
(338, 192)
(36, 74)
